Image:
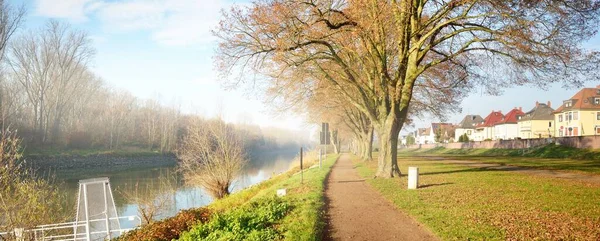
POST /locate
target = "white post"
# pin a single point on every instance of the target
(413, 177)
(106, 211)
(19, 234)
(320, 157)
(87, 213)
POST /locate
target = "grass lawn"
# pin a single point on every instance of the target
(547, 157)
(464, 203)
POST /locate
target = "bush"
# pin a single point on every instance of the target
(26, 200)
(254, 221)
(169, 228)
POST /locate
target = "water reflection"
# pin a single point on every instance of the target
(259, 169)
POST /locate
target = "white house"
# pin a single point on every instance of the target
(508, 127)
(467, 126)
(485, 129)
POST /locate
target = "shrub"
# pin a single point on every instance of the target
(26, 200)
(254, 221)
(168, 229)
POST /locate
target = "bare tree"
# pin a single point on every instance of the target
(377, 53)
(212, 155)
(51, 66)
(152, 198)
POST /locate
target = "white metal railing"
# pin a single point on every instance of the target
(45, 232)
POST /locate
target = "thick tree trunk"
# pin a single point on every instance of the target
(388, 148)
(367, 153)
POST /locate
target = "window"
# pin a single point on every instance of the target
(597, 130)
(576, 115)
(560, 132)
(549, 123)
(567, 103)
(560, 117)
(597, 101)
(569, 116)
(597, 115)
(469, 131)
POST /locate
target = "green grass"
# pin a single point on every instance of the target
(464, 203)
(304, 221)
(547, 157)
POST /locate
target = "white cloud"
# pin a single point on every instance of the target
(74, 10)
(170, 22)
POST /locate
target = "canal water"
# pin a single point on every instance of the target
(152, 180)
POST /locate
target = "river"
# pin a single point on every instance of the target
(260, 168)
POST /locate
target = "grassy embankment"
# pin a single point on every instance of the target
(550, 157)
(253, 213)
(464, 203)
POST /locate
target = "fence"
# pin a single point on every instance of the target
(70, 231)
(592, 142)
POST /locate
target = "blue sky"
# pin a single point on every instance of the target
(164, 48)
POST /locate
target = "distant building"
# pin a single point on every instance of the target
(424, 136)
(538, 122)
(580, 115)
(485, 129)
(508, 127)
(443, 132)
(467, 126)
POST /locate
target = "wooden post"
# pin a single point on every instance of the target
(301, 167)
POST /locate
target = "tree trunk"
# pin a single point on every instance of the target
(368, 150)
(388, 148)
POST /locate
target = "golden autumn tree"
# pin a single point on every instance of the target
(376, 53)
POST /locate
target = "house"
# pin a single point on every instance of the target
(443, 132)
(538, 122)
(467, 126)
(508, 127)
(485, 130)
(580, 115)
(424, 136)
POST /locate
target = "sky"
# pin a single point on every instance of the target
(164, 48)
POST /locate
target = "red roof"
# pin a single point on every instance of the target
(584, 99)
(491, 119)
(511, 117)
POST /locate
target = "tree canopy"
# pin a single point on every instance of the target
(386, 58)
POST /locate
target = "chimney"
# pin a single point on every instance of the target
(537, 104)
(549, 104)
(520, 108)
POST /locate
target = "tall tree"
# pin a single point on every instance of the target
(377, 52)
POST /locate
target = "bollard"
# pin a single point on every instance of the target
(413, 177)
(281, 192)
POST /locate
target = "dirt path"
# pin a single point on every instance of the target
(357, 212)
(574, 176)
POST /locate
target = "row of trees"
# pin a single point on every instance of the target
(49, 93)
(390, 61)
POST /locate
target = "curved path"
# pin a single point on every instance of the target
(355, 211)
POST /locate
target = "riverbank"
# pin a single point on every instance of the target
(119, 160)
(302, 218)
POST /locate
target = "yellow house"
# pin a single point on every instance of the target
(580, 115)
(538, 122)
